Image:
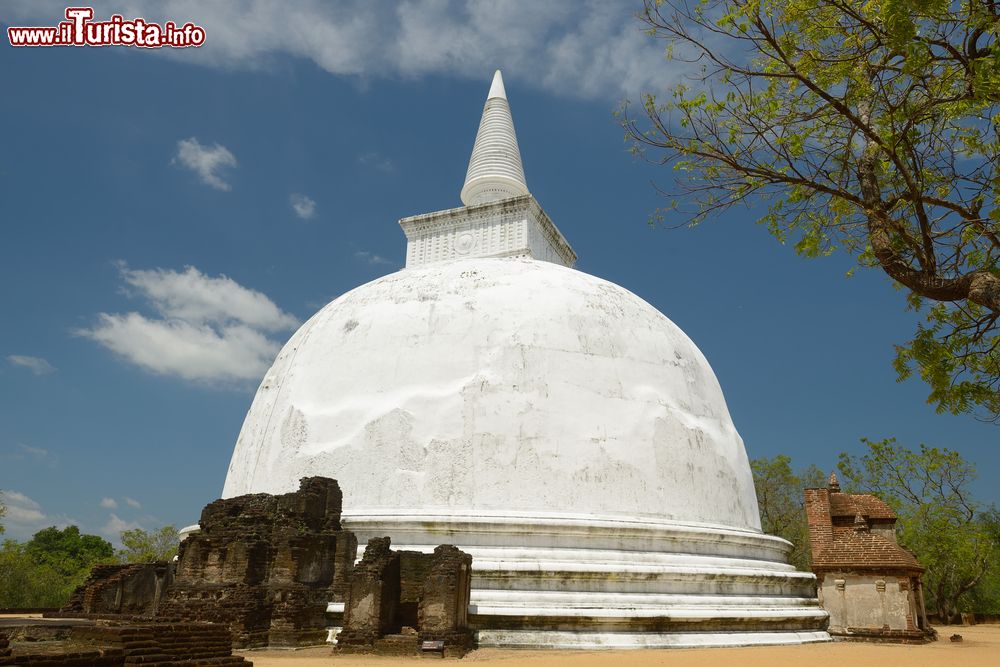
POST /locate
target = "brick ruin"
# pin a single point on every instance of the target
(266, 566)
(443, 610)
(134, 589)
(868, 583)
(120, 643)
(403, 602)
(370, 610)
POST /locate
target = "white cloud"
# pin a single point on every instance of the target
(377, 161)
(173, 347)
(205, 161)
(303, 206)
(191, 296)
(109, 503)
(577, 48)
(23, 452)
(206, 329)
(36, 452)
(25, 516)
(132, 503)
(371, 257)
(115, 526)
(22, 509)
(36, 365)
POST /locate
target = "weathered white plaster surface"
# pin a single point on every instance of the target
(495, 171)
(867, 601)
(553, 425)
(625, 640)
(514, 227)
(502, 385)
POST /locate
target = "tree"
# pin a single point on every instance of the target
(3, 512)
(68, 551)
(140, 546)
(782, 503)
(44, 571)
(869, 127)
(953, 536)
(985, 597)
(26, 584)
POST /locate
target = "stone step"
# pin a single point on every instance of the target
(397, 645)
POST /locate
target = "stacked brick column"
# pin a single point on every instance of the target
(443, 613)
(372, 598)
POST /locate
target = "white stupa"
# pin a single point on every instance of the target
(551, 423)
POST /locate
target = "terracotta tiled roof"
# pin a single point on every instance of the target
(865, 504)
(862, 549)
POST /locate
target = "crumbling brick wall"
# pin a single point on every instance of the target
(266, 565)
(124, 642)
(187, 644)
(133, 589)
(444, 601)
(413, 567)
(372, 597)
(396, 600)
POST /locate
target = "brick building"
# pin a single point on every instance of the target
(867, 582)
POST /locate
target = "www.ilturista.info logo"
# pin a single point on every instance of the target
(80, 30)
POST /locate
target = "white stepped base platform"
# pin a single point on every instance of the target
(636, 640)
(612, 582)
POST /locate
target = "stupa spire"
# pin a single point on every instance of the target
(500, 217)
(496, 88)
(495, 170)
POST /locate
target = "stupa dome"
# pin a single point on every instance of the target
(498, 385)
(552, 424)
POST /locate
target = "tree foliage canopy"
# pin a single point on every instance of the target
(141, 546)
(43, 571)
(871, 127)
(782, 502)
(27, 584)
(68, 551)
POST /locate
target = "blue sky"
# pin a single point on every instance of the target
(168, 218)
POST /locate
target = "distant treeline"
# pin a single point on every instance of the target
(45, 570)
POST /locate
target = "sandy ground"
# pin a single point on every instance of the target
(981, 646)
